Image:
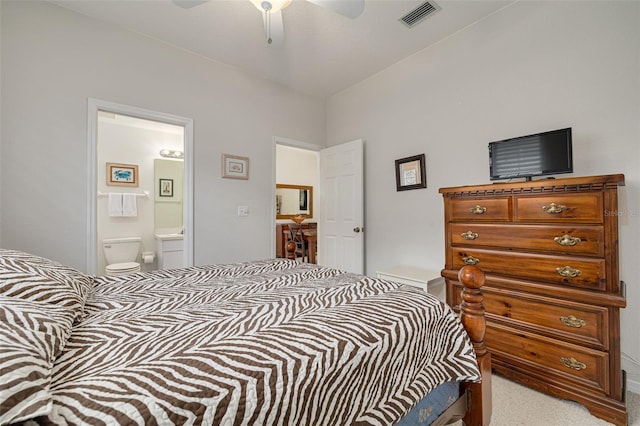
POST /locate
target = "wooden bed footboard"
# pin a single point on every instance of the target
(473, 319)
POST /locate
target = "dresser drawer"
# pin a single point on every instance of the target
(584, 208)
(572, 321)
(582, 240)
(573, 271)
(587, 367)
(497, 209)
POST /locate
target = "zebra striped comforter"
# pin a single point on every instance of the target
(262, 343)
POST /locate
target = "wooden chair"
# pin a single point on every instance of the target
(296, 246)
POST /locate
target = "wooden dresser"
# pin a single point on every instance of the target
(549, 249)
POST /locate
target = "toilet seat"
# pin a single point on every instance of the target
(122, 268)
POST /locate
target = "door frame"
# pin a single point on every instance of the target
(95, 105)
(278, 140)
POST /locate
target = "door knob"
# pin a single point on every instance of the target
(356, 229)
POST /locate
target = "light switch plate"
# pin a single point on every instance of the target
(243, 210)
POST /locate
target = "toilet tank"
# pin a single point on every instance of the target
(120, 250)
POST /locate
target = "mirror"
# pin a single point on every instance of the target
(168, 194)
(292, 200)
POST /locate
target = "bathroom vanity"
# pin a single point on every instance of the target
(170, 250)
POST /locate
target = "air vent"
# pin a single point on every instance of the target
(419, 13)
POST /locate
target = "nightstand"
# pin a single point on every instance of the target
(428, 280)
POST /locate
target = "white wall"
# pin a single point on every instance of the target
(531, 67)
(53, 60)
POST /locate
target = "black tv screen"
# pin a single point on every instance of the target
(547, 153)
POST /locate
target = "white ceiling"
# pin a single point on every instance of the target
(323, 52)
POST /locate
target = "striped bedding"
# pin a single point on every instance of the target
(262, 343)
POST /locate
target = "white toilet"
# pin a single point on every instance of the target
(121, 255)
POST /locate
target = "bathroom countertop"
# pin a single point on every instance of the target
(165, 237)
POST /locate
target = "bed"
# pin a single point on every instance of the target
(271, 342)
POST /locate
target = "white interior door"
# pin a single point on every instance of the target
(341, 226)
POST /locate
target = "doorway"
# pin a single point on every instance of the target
(339, 200)
(151, 144)
(295, 164)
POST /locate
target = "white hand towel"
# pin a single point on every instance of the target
(115, 204)
(129, 206)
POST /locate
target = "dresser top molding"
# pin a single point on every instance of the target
(537, 186)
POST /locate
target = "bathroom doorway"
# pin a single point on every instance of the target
(156, 148)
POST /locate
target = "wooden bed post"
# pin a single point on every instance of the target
(473, 320)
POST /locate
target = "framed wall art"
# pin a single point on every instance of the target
(166, 188)
(235, 167)
(122, 174)
(411, 173)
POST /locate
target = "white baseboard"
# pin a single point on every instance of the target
(633, 386)
(632, 367)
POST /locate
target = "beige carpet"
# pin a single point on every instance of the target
(516, 405)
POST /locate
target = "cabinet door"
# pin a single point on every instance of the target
(173, 259)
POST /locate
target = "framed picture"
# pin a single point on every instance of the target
(304, 203)
(411, 173)
(122, 174)
(235, 167)
(166, 188)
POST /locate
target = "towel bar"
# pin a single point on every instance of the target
(145, 194)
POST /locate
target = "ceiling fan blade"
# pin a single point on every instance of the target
(188, 4)
(275, 28)
(349, 8)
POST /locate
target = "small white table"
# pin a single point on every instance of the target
(429, 280)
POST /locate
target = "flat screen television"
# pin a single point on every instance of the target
(547, 153)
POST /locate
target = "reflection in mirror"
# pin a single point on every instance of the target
(292, 200)
(409, 173)
(168, 195)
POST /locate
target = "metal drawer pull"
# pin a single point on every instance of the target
(478, 209)
(568, 272)
(572, 321)
(469, 235)
(573, 363)
(470, 260)
(554, 208)
(567, 240)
